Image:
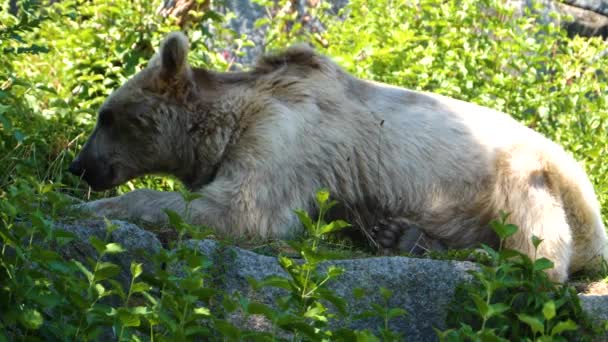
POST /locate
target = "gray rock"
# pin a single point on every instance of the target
(423, 287)
(578, 17)
(138, 243)
(247, 13)
(598, 6)
(585, 22)
(596, 306)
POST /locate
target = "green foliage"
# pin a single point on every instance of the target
(303, 311)
(44, 295)
(285, 26)
(512, 299)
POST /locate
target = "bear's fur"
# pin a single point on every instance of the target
(257, 145)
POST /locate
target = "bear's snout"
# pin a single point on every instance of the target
(99, 176)
(76, 168)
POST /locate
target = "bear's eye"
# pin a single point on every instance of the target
(106, 117)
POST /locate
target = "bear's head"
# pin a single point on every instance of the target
(142, 125)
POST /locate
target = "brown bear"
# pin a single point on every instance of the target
(258, 144)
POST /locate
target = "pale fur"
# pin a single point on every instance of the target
(298, 123)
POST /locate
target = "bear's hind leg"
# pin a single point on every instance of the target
(527, 193)
(536, 213)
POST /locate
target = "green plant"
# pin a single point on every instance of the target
(303, 311)
(512, 298)
(384, 312)
(284, 25)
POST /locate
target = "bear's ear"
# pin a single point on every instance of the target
(173, 56)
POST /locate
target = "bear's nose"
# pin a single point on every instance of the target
(76, 168)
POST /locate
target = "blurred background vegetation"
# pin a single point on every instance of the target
(60, 59)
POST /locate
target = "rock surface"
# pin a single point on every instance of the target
(423, 287)
(137, 242)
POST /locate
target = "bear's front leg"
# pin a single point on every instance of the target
(140, 205)
(232, 208)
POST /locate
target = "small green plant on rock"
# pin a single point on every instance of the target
(303, 311)
(512, 299)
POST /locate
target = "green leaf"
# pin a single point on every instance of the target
(503, 230)
(106, 270)
(317, 312)
(301, 327)
(385, 293)
(542, 264)
(271, 281)
(536, 241)
(488, 335)
(202, 311)
(117, 288)
(496, 309)
(359, 292)
(136, 269)
(100, 290)
(175, 219)
(191, 196)
(534, 323)
(334, 271)
(312, 257)
(561, 327)
(63, 236)
(99, 245)
(481, 305)
(213, 15)
(334, 299)
(114, 248)
(88, 274)
(549, 310)
(322, 196)
(140, 287)
(31, 319)
(396, 312)
(306, 221)
(229, 304)
(139, 310)
(334, 226)
(110, 227)
(127, 318)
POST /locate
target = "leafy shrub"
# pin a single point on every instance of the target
(45, 296)
(302, 311)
